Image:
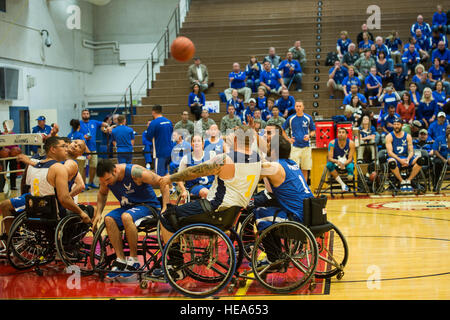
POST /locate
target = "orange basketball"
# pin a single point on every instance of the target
(4, 153)
(372, 176)
(182, 49)
(15, 152)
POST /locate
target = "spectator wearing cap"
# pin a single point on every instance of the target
(41, 128)
(336, 76)
(237, 79)
(249, 110)
(198, 74)
(437, 128)
(286, 103)
(398, 78)
(423, 141)
(427, 110)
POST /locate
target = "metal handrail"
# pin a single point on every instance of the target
(149, 63)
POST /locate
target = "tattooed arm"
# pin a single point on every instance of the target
(142, 175)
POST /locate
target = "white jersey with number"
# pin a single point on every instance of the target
(237, 191)
(37, 179)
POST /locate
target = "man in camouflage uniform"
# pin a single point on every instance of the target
(276, 119)
(185, 123)
(202, 125)
(298, 53)
(230, 120)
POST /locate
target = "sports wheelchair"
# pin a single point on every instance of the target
(102, 253)
(314, 249)
(41, 233)
(443, 179)
(385, 179)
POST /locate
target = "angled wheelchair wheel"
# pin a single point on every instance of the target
(286, 257)
(248, 234)
(333, 254)
(30, 244)
(204, 255)
(73, 240)
(102, 253)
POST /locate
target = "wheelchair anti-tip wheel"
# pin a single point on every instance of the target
(199, 260)
(286, 257)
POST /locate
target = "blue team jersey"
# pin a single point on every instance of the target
(343, 45)
(293, 190)
(389, 119)
(436, 74)
(389, 99)
(261, 103)
(212, 149)
(46, 130)
(340, 75)
(393, 45)
(348, 98)
(159, 132)
(238, 79)
(339, 152)
(285, 66)
(348, 82)
(201, 180)
(238, 106)
(129, 193)
(365, 133)
(441, 145)
(400, 145)
(426, 110)
(299, 127)
(90, 128)
(123, 135)
(76, 135)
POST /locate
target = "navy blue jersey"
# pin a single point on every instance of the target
(293, 190)
(213, 149)
(130, 193)
(400, 145)
(201, 180)
(159, 132)
(338, 152)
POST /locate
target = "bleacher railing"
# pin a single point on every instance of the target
(157, 58)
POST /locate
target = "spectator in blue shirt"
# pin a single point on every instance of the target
(398, 78)
(387, 121)
(261, 100)
(75, 134)
(420, 24)
(237, 81)
(291, 71)
(424, 44)
(123, 139)
(383, 67)
(415, 94)
(266, 114)
(427, 109)
(270, 79)
(350, 80)
(286, 104)
(439, 21)
(148, 149)
(89, 127)
(249, 110)
(159, 132)
(342, 44)
(236, 102)
(374, 86)
(442, 155)
(439, 94)
(181, 147)
(380, 46)
(389, 97)
(434, 40)
(366, 43)
(395, 46)
(41, 128)
(424, 141)
(410, 59)
(253, 71)
(196, 101)
(444, 55)
(354, 91)
(438, 127)
(336, 76)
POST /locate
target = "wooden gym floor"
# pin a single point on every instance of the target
(398, 249)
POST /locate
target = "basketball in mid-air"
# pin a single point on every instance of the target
(182, 49)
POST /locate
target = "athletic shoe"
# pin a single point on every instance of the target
(158, 274)
(116, 267)
(133, 267)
